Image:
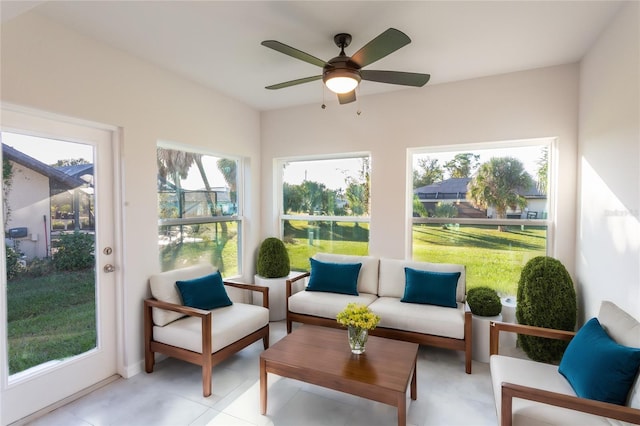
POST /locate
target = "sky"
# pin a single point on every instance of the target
(46, 150)
(331, 173)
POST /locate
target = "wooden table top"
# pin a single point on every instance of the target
(386, 363)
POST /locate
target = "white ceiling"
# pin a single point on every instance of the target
(217, 43)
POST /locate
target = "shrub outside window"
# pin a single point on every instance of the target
(486, 206)
(324, 206)
(198, 210)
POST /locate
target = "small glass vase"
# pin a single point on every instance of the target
(357, 339)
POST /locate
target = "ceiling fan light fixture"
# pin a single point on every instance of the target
(341, 80)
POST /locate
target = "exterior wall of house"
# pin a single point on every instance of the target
(608, 226)
(79, 77)
(530, 104)
(29, 204)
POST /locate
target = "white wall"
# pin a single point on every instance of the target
(530, 104)
(29, 202)
(48, 67)
(608, 233)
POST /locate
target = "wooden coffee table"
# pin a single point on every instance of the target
(321, 356)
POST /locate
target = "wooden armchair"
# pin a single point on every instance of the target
(201, 337)
(558, 392)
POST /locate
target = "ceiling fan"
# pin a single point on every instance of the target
(343, 73)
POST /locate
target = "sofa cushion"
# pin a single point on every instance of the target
(368, 278)
(597, 367)
(392, 276)
(228, 325)
(428, 319)
(163, 287)
(334, 277)
(625, 330)
(205, 292)
(540, 376)
(325, 305)
(431, 288)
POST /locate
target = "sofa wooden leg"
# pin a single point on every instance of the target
(289, 326)
(265, 341)
(149, 361)
(207, 372)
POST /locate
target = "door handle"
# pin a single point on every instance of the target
(109, 268)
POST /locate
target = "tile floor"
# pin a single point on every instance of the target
(172, 395)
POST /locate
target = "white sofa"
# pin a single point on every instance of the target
(533, 393)
(381, 285)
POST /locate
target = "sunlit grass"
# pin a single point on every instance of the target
(50, 318)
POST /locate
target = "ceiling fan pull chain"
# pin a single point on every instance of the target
(323, 104)
(358, 100)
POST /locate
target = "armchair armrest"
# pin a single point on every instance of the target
(186, 310)
(496, 327)
(252, 287)
(290, 282)
(598, 408)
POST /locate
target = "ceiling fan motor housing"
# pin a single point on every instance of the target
(341, 66)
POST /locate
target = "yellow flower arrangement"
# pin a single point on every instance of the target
(358, 316)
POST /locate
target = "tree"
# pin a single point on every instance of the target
(175, 164)
(445, 210)
(543, 169)
(496, 184)
(462, 165)
(70, 162)
(418, 208)
(427, 172)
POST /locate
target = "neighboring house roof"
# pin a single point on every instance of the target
(52, 173)
(77, 170)
(456, 188)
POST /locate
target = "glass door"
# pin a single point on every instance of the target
(58, 281)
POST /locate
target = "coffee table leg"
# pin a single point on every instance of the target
(263, 387)
(414, 384)
(402, 409)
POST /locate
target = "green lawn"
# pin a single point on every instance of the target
(50, 317)
(493, 258)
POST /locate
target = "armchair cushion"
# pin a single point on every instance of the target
(205, 292)
(334, 277)
(597, 367)
(431, 288)
(163, 288)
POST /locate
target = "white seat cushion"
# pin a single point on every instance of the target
(540, 376)
(392, 276)
(163, 287)
(325, 305)
(228, 324)
(427, 319)
(368, 277)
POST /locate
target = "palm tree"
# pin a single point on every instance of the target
(176, 164)
(497, 183)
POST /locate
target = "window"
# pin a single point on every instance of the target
(324, 207)
(486, 206)
(198, 210)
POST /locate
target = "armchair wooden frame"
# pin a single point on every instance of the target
(206, 359)
(511, 390)
(390, 333)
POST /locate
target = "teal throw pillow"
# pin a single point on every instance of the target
(597, 367)
(334, 277)
(430, 288)
(205, 292)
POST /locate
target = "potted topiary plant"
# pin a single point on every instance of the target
(273, 268)
(546, 298)
(485, 306)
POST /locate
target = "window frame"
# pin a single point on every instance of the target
(552, 148)
(278, 180)
(238, 217)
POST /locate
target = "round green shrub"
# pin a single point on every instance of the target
(273, 259)
(484, 301)
(546, 298)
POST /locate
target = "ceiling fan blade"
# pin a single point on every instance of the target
(293, 82)
(384, 44)
(345, 98)
(293, 52)
(396, 77)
